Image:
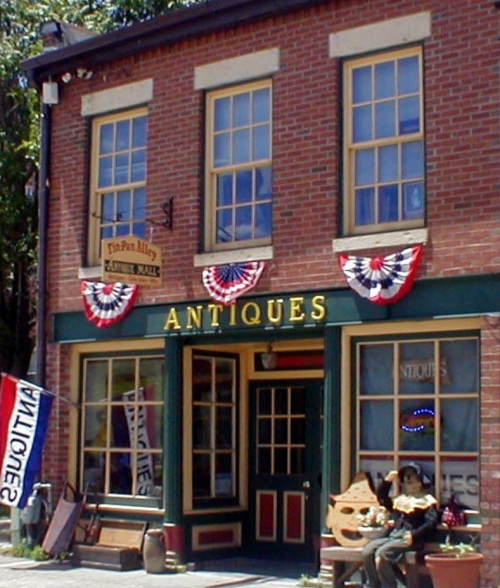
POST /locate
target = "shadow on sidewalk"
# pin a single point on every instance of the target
(260, 567)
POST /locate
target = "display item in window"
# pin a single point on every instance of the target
(414, 517)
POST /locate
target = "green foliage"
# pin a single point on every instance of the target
(20, 22)
(458, 549)
(36, 553)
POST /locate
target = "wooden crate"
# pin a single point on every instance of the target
(117, 547)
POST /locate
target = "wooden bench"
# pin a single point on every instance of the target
(117, 546)
(345, 561)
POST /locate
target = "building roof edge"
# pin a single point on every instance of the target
(175, 25)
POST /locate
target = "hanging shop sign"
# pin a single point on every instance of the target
(132, 260)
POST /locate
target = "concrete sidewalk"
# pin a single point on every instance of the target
(23, 573)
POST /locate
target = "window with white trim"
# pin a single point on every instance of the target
(418, 400)
(239, 167)
(118, 178)
(384, 160)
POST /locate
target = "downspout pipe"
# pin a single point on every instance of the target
(43, 220)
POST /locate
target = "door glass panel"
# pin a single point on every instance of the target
(202, 379)
(224, 427)
(224, 475)
(264, 465)
(297, 462)
(281, 401)
(281, 431)
(224, 380)
(264, 436)
(265, 401)
(298, 401)
(201, 475)
(280, 461)
(284, 431)
(298, 431)
(201, 427)
(214, 438)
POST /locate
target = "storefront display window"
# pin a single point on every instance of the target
(419, 401)
(122, 414)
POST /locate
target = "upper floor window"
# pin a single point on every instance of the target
(384, 143)
(118, 181)
(239, 167)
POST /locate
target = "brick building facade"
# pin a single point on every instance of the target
(288, 134)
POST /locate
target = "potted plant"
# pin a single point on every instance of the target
(373, 524)
(457, 566)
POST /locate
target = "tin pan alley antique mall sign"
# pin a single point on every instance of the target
(131, 260)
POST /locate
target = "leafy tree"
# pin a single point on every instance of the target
(20, 22)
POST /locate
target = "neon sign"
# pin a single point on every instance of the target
(418, 420)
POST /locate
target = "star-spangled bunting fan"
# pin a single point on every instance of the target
(225, 283)
(382, 279)
(106, 304)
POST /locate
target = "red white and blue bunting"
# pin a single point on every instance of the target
(382, 280)
(106, 304)
(225, 283)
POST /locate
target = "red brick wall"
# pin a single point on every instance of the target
(490, 456)
(463, 204)
(461, 96)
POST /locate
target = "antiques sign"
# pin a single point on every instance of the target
(291, 310)
(423, 370)
(131, 260)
